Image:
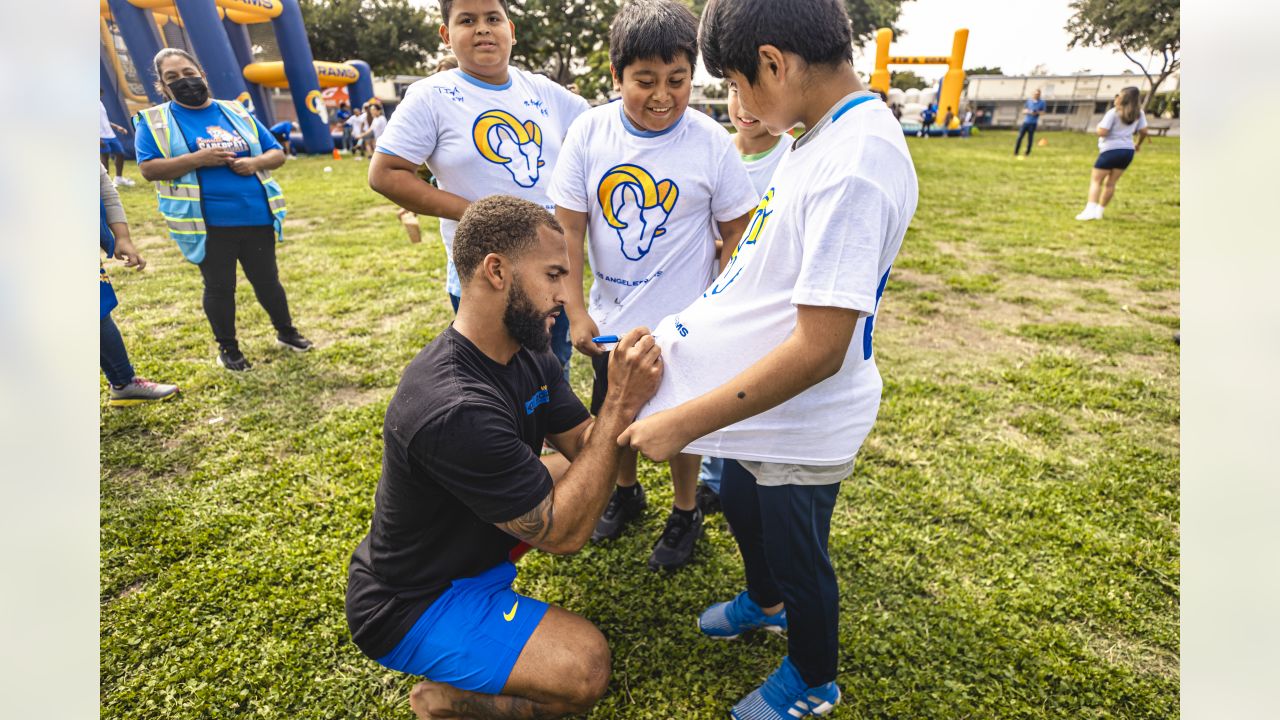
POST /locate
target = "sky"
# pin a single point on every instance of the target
(1015, 36)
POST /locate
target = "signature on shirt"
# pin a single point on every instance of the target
(453, 92)
(539, 105)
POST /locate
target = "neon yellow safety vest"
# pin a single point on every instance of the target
(180, 198)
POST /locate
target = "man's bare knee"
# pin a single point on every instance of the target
(594, 668)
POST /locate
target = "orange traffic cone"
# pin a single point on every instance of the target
(336, 154)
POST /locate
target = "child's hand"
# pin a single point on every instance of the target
(657, 436)
(582, 328)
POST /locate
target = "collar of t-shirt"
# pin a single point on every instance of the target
(639, 132)
(846, 102)
(471, 347)
(762, 155)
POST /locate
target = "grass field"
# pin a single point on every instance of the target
(1007, 547)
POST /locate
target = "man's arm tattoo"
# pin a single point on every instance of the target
(534, 526)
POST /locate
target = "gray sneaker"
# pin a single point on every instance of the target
(140, 390)
(675, 547)
(618, 514)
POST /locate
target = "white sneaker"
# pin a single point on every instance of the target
(127, 182)
(115, 182)
(1092, 211)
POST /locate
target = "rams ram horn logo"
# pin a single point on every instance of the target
(636, 207)
(502, 139)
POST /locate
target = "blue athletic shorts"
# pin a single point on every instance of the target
(1113, 160)
(471, 635)
(110, 146)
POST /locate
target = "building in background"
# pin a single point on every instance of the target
(1073, 102)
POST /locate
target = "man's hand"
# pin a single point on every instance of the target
(658, 436)
(582, 328)
(635, 367)
(127, 252)
(244, 165)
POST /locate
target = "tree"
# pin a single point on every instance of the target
(906, 80)
(867, 16)
(984, 70)
(1135, 27)
(393, 36)
(566, 39)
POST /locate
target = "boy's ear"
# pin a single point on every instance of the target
(617, 81)
(772, 62)
(444, 34)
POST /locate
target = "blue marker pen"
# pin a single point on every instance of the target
(605, 339)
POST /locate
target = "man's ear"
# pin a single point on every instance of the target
(495, 271)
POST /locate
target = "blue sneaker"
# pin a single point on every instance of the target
(783, 697)
(728, 620)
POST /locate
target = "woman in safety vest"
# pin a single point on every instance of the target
(210, 161)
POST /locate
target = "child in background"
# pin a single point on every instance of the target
(772, 367)
(761, 151)
(113, 238)
(355, 128)
(645, 180)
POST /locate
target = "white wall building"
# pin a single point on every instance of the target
(1073, 102)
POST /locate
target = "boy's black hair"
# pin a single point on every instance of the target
(652, 28)
(733, 31)
(446, 8)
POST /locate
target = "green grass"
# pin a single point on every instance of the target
(1007, 546)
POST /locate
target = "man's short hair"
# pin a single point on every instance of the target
(497, 224)
(652, 29)
(446, 7)
(733, 31)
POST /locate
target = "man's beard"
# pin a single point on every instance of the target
(525, 323)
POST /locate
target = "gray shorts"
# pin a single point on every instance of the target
(772, 474)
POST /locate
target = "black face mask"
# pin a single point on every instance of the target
(189, 90)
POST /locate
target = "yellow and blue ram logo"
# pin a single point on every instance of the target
(503, 140)
(636, 206)
(749, 238)
(314, 101)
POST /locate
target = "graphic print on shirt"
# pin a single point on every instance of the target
(636, 206)
(222, 139)
(504, 140)
(758, 220)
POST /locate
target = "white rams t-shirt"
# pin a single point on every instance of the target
(482, 139)
(650, 198)
(825, 233)
(760, 167)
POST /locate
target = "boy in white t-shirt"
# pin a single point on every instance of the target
(485, 128)
(645, 180)
(773, 365)
(761, 151)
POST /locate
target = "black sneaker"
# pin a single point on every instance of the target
(708, 500)
(294, 342)
(232, 359)
(675, 547)
(618, 513)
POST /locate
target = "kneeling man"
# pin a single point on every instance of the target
(429, 589)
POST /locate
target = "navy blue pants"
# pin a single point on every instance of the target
(1028, 129)
(782, 534)
(112, 356)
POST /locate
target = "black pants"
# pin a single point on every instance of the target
(1028, 129)
(255, 248)
(782, 534)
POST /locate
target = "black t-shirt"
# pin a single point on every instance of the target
(461, 439)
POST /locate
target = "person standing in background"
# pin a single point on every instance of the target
(1031, 118)
(113, 238)
(1115, 149)
(109, 145)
